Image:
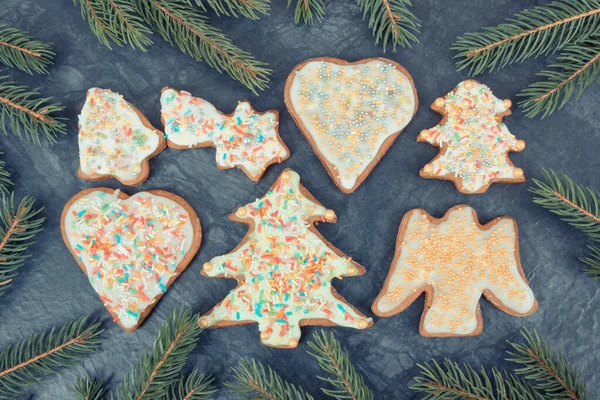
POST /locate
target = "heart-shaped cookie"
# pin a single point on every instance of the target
(351, 113)
(131, 248)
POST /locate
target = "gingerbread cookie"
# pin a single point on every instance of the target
(454, 260)
(245, 139)
(131, 248)
(350, 112)
(115, 139)
(284, 269)
(474, 142)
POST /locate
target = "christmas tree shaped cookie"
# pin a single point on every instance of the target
(474, 142)
(284, 269)
(115, 139)
(245, 139)
(350, 113)
(454, 260)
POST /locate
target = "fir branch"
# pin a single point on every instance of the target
(554, 376)
(24, 363)
(89, 389)
(252, 9)
(115, 21)
(530, 33)
(158, 369)
(18, 227)
(5, 181)
(391, 21)
(307, 11)
(26, 113)
(576, 204)
(179, 23)
(450, 381)
(593, 262)
(576, 68)
(252, 381)
(346, 380)
(196, 386)
(19, 50)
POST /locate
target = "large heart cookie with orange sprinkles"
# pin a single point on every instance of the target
(131, 248)
(351, 113)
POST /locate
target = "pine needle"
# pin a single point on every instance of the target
(552, 373)
(252, 381)
(18, 227)
(25, 113)
(5, 181)
(346, 380)
(307, 11)
(179, 23)
(576, 68)
(196, 386)
(576, 204)
(157, 370)
(391, 21)
(252, 9)
(449, 381)
(24, 363)
(88, 389)
(19, 50)
(593, 262)
(539, 31)
(115, 21)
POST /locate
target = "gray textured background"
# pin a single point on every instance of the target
(52, 289)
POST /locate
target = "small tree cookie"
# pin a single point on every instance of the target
(474, 142)
(284, 269)
(454, 260)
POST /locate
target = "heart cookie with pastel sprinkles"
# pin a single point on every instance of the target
(131, 248)
(351, 113)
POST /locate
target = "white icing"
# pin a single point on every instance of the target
(247, 139)
(459, 261)
(128, 247)
(350, 110)
(113, 140)
(286, 269)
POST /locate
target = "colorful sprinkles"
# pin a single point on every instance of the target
(285, 269)
(130, 248)
(473, 140)
(113, 140)
(247, 139)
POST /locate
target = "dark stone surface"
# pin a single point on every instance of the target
(52, 289)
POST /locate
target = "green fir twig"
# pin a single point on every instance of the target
(308, 11)
(18, 227)
(196, 386)
(539, 31)
(548, 369)
(391, 21)
(25, 363)
(115, 21)
(25, 113)
(449, 381)
(576, 204)
(87, 388)
(346, 380)
(19, 50)
(179, 23)
(593, 262)
(5, 181)
(158, 369)
(252, 9)
(253, 381)
(576, 68)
